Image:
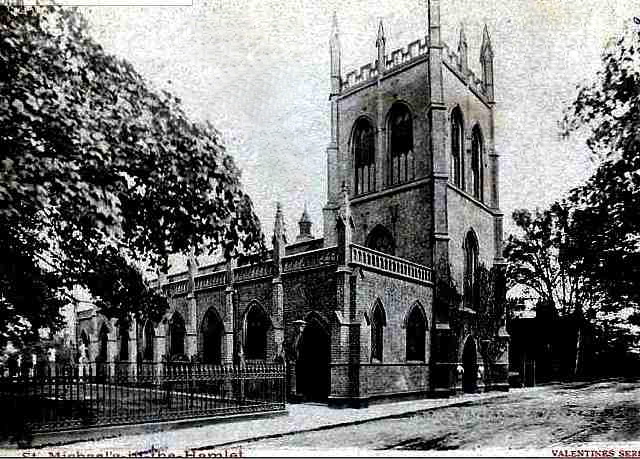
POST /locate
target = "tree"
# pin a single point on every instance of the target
(605, 225)
(99, 175)
(544, 259)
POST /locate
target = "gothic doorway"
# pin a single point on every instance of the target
(470, 365)
(312, 367)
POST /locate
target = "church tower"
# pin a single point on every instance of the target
(412, 140)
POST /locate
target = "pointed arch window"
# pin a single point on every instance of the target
(477, 153)
(257, 326)
(148, 337)
(400, 159)
(124, 344)
(177, 331)
(378, 321)
(457, 148)
(103, 350)
(364, 157)
(416, 334)
(470, 269)
(211, 335)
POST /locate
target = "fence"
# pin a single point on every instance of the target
(56, 397)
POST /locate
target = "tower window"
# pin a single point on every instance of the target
(364, 157)
(476, 163)
(470, 268)
(416, 333)
(457, 147)
(400, 160)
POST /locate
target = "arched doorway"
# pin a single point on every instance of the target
(211, 334)
(470, 365)
(312, 367)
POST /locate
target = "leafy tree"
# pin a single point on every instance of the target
(542, 258)
(605, 225)
(99, 174)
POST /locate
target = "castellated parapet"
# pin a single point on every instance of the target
(415, 51)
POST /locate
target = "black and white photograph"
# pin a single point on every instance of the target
(266, 228)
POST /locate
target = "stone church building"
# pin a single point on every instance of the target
(412, 186)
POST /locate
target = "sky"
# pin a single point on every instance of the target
(259, 71)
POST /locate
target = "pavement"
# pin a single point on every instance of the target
(304, 417)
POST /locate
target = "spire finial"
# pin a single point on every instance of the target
(334, 23)
(381, 39)
(463, 36)
(486, 50)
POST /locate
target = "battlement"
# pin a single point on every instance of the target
(452, 59)
(397, 58)
(402, 56)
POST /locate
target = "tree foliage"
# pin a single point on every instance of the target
(99, 173)
(542, 257)
(605, 224)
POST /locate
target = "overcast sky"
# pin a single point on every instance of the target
(259, 71)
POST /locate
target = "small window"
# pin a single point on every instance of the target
(457, 147)
(364, 157)
(416, 333)
(377, 332)
(401, 161)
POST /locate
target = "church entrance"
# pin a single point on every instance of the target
(312, 368)
(470, 365)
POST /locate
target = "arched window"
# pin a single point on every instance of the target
(378, 321)
(257, 326)
(477, 153)
(84, 339)
(457, 147)
(364, 156)
(470, 267)
(380, 239)
(211, 335)
(416, 333)
(124, 344)
(176, 335)
(400, 160)
(148, 336)
(103, 351)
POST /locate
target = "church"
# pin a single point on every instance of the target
(413, 186)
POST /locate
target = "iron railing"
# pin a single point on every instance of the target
(53, 397)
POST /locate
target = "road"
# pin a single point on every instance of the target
(558, 415)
